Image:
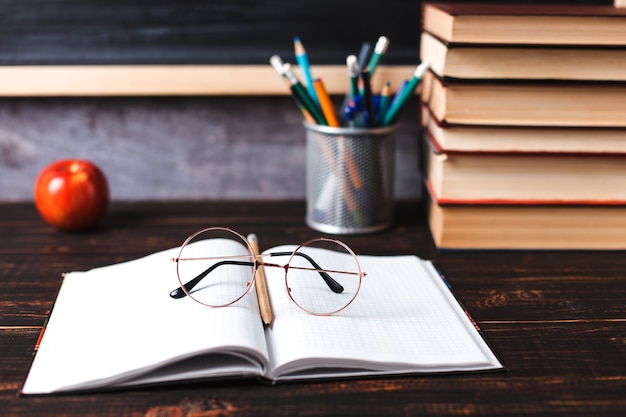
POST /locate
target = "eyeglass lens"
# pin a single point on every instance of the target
(310, 289)
(215, 267)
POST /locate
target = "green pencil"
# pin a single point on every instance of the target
(303, 95)
(379, 50)
(396, 105)
(299, 92)
(353, 72)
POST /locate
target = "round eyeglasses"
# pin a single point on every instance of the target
(217, 267)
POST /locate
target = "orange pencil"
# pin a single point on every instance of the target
(326, 104)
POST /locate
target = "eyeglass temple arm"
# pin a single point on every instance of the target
(332, 284)
(180, 292)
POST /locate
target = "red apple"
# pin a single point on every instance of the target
(72, 194)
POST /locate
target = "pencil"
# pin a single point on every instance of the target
(398, 102)
(384, 101)
(303, 62)
(277, 63)
(352, 64)
(353, 72)
(325, 103)
(398, 94)
(261, 286)
(298, 91)
(379, 51)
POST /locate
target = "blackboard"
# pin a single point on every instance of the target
(231, 32)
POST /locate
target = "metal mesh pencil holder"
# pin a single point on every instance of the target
(349, 178)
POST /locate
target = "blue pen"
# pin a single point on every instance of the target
(364, 55)
(303, 63)
(348, 112)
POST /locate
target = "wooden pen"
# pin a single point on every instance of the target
(261, 286)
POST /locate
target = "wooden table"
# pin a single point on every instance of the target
(556, 319)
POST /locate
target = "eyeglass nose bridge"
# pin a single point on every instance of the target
(330, 282)
(271, 265)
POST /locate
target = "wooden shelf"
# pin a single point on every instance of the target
(165, 80)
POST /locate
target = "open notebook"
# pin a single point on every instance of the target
(116, 326)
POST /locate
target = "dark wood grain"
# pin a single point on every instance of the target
(556, 319)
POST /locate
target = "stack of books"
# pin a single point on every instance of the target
(524, 121)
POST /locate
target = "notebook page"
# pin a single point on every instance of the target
(114, 322)
(403, 320)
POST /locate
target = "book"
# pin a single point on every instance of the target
(528, 24)
(491, 62)
(536, 227)
(116, 327)
(526, 103)
(523, 116)
(525, 178)
(452, 138)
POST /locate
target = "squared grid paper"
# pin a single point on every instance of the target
(404, 317)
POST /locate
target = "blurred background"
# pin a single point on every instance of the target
(186, 146)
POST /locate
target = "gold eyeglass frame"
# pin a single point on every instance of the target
(257, 262)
